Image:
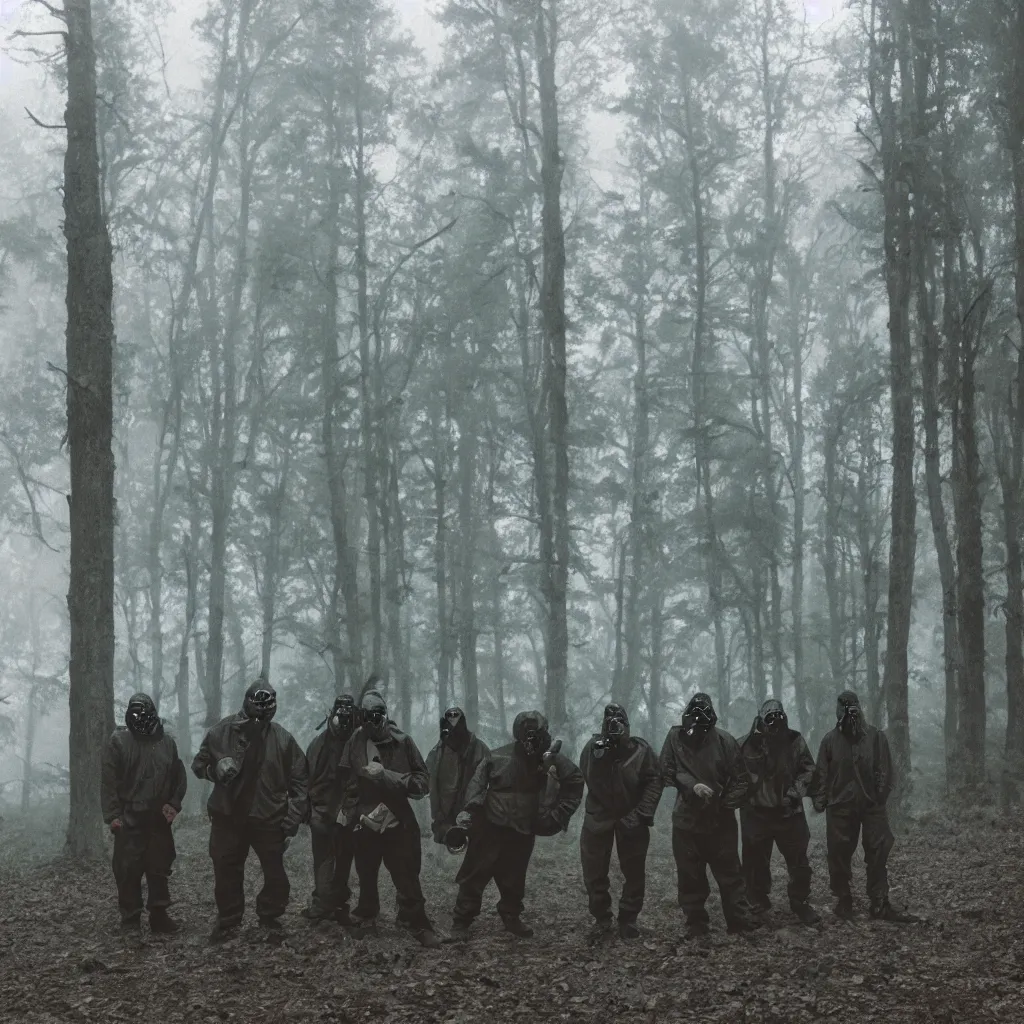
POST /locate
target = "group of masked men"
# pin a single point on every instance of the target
(354, 785)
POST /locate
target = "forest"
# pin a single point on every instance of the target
(524, 353)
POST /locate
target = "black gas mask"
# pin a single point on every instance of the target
(699, 718)
(454, 728)
(343, 717)
(260, 703)
(614, 729)
(534, 738)
(374, 714)
(141, 717)
(849, 715)
(773, 719)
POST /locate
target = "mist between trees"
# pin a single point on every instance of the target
(619, 351)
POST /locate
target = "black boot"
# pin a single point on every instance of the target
(844, 908)
(162, 923)
(459, 932)
(883, 910)
(222, 933)
(600, 930)
(628, 930)
(697, 929)
(806, 914)
(131, 925)
(516, 926)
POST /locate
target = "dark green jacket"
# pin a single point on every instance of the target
(849, 774)
(451, 771)
(620, 785)
(139, 775)
(280, 797)
(717, 763)
(775, 769)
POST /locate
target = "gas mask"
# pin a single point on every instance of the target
(531, 734)
(260, 703)
(343, 718)
(454, 728)
(773, 719)
(141, 717)
(699, 718)
(614, 729)
(374, 714)
(849, 715)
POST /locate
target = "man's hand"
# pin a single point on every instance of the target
(169, 813)
(116, 825)
(704, 792)
(792, 798)
(227, 770)
(819, 805)
(373, 770)
(464, 819)
(631, 820)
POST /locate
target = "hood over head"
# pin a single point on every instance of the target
(374, 713)
(343, 717)
(849, 714)
(454, 728)
(530, 731)
(773, 719)
(615, 724)
(260, 701)
(699, 717)
(140, 716)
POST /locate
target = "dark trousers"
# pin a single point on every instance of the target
(143, 852)
(499, 853)
(596, 857)
(694, 853)
(761, 829)
(398, 849)
(333, 853)
(843, 825)
(230, 843)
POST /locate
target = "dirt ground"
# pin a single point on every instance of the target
(62, 960)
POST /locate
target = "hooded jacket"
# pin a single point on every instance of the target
(714, 760)
(853, 772)
(625, 781)
(776, 766)
(451, 771)
(326, 779)
(280, 796)
(511, 790)
(139, 774)
(404, 777)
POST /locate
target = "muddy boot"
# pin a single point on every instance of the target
(459, 932)
(885, 911)
(844, 908)
(343, 917)
(223, 933)
(805, 913)
(516, 926)
(161, 923)
(427, 938)
(697, 929)
(628, 930)
(131, 925)
(600, 930)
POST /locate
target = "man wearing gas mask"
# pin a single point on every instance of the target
(780, 768)
(452, 764)
(520, 791)
(623, 789)
(330, 836)
(384, 769)
(259, 799)
(852, 781)
(706, 767)
(142, 786)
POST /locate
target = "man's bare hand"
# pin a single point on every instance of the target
(704, 792)
(169, 813)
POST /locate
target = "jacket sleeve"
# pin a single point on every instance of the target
(476, 791)
(203, 764)
(650, 787)
(673, 773)
(433, 763)
(560, 801)
(414, 783)
(804, 768)
(737, 787)
(109, 777)
(298, 787)
(319, 776)
(884, 774)
(179, 779)
(819, 780)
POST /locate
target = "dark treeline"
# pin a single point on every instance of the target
(417, 373)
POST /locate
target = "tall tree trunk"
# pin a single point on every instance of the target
(394, 555)
(497, 594)
(896, 185)
(467, 562)
(798, 288)
(90, 362)
(655, 697)
(444, 660)
(31, 710)
(552, 306)
(619, 568)
(181, 681)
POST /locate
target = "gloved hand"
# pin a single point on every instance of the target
(464, 819)
(169, 813)
(819, 804)
(631, 820)
(373, 770)
(704, 792)
(227, 770)
(116, 825)
(792, 798)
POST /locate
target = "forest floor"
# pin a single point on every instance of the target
(62, 959)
